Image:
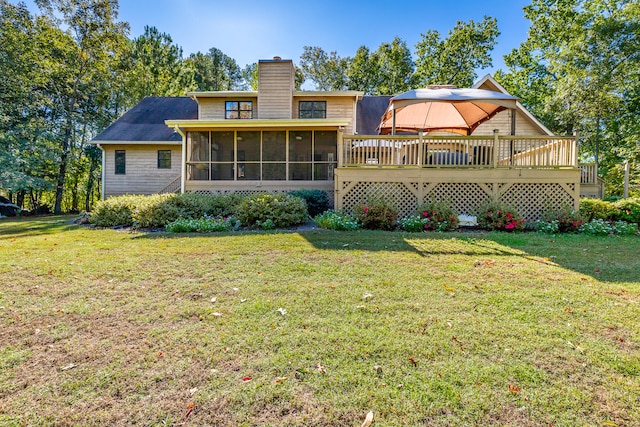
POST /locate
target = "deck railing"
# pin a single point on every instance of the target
(172, 187)
(457, 151)
(588, 174)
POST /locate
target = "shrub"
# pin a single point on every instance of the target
(156, 211)
(283, 210)
(495, 215)
(114, 211)
(204, 225)
(332, 220)
(317, 200)
(414, 223)
(550, 227)
(569, 220)
(596, 209)
(376, 214)
(440, 216)
(600, 227)
(627, 210)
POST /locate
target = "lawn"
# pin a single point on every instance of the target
(316, 328)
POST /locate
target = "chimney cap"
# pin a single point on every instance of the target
(277, 58)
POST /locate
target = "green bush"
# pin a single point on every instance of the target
(202, 225)
(495, 215)
(114, 211)
(440, 216)
(156, 211)
(317, 200)
(600, 227)
(627, 210)
(376, 214)
(332, 220)
(282, 210)
(569, 220)
(596, 209)
(160, 209)
(413, 223)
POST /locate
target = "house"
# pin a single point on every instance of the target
(278, 139)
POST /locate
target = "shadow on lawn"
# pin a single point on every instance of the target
(13, 228)
(607, 259)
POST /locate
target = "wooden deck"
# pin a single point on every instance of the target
(532, 174)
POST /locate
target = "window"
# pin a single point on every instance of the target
(164, 159)
(312, 109)
(121, 162)
(238, 110)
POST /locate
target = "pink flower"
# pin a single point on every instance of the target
(510, 226)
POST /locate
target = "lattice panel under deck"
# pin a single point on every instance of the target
(464, 197)
(533, 200)
(403, 198)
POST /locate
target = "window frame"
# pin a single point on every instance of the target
(167, 161)
(120, 162)
(312, 110)
(238, 110)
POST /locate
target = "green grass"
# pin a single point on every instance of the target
(105, 327)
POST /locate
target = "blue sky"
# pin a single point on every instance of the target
(250, 30)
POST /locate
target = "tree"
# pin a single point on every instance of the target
(363, 73)
(77, 61)
(326, 70)
(156, 67)
(453, 61)
(395, 67)
(215, 71)
(578, 70)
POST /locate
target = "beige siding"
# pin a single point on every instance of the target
(275, 89)
(214, 108)
(337, 108)
(142, 174)
(502, 122)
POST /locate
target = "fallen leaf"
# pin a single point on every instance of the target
(513, 389)
(413, 361)
(214, 299)
(193, 391)
(331, 287)
(69, 366)
(368, 420)
(598, 271)
(246, 379)
(281, 379)
(191, 405)
(568, 310)
(448, 288)
(321, 369)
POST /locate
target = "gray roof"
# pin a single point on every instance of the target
(369, 113)
(145, 121)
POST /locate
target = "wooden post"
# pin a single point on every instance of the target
(393, 121)
(420, 147)
(626, 179)
(340, 148)
(496, 146)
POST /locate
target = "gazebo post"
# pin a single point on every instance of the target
(393, 121)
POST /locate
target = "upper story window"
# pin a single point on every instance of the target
(238, 110)
(312, 109)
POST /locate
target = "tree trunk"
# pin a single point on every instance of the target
(20, 199)
(87, 200)
(62, 173)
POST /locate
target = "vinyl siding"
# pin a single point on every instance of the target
(275, 90)
(214, 108)
(337, 108)
(142, 174)
(502, 122)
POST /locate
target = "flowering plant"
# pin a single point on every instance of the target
(496, 216)
(376, 214)
(438, 216)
